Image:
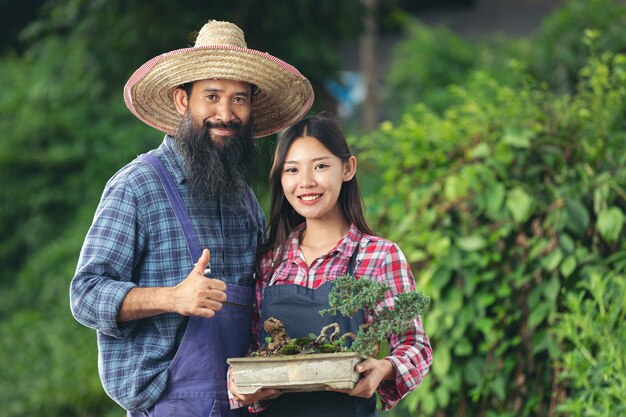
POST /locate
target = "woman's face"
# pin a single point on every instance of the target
(312, 178)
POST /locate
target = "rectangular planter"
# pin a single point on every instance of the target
(296, 373)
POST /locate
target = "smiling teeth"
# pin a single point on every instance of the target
(310, 197)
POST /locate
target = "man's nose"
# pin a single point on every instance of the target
(224, 111)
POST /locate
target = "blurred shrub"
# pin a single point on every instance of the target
(558, 55)
(50, 362)
(429, 60)
(63, 136)
(506, 205)
(592, 329)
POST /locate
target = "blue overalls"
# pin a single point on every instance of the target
(196, 385)
(298, 307)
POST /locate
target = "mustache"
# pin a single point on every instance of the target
(222, 125)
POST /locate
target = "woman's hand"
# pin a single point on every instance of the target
(374, 371)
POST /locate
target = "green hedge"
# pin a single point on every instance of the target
(510, 207)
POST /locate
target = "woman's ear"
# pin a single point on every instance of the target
(181, 101)
(349, 168)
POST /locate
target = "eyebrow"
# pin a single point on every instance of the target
(217, 90)
(319, 158)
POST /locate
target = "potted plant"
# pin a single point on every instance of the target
(314, 362)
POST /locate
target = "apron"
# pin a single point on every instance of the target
(196, 385)
(298, 307)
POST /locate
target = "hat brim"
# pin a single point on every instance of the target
(284, 94)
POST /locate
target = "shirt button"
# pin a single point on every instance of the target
(226, 233)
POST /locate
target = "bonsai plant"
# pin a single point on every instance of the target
(310, 363)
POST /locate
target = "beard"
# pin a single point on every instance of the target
(216, 170)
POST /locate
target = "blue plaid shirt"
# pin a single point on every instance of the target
(135, 241)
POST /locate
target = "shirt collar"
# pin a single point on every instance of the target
(345, 246)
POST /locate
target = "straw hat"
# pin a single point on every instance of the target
(220, 52)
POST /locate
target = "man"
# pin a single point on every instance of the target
(164, 328)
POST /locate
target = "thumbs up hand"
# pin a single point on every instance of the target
(198, 295)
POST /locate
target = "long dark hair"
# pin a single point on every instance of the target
(283, 217)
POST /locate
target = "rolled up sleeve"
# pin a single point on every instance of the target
(104, 272)
(410, 353)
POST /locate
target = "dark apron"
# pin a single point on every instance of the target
(196, 384)
(298, 307)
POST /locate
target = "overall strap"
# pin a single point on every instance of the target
(177, 205)
(352, 261)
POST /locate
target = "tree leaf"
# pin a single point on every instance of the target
(474, 374)
(441, 361)
(566, 243)
(463, 347)
(471, 243)
(452, 188)
(443, 396)
(520, 204)
(495, 198)
(517, 138)
(568, 266)
(577, 215)
(498, 386)
(538, 315)
(610, 223)
(552, 260)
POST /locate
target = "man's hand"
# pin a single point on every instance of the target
(374, 371)
(264, 394)
(198, 295)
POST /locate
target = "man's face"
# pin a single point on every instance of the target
(220, 166)
(225, 106)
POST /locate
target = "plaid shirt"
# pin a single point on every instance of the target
(135, 241)
(379, 259)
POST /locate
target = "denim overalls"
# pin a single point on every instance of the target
(298, 307)
(196, 384)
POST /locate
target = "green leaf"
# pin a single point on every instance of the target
(471, 243)
(480, 151)
(441, 360)
(518, 138)
(416, 255)
(610, 223)
(538, 315)
(438, 246)
(568, 266)
(495, 199)
(441, 277)
(452, 188)
(520, 204)
(600, 196)
(551, 289)
(429, 404)
(443, 396)
(552, 260)
(463, 347)
(566, 243)
(474, 374)
(577, 216)
(498, 386)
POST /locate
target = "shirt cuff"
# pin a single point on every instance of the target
(112, 300)
(392, 391)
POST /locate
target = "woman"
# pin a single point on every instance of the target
(318, 232)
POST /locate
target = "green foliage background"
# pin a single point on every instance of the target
(506, 188)
(500, 173)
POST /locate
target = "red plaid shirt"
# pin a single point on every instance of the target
(380, 259)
